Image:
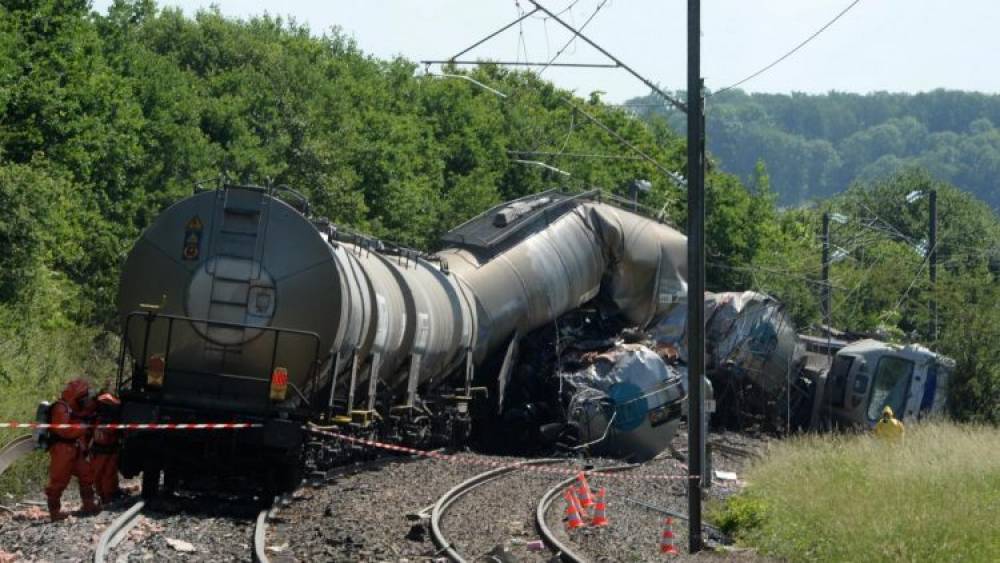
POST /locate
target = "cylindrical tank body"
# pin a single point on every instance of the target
(248, 263)
(230, 262)
(638, 264)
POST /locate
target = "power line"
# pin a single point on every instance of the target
(573, 37)
(792, 52)
(676, 103)
(494, 34)
(677, 178)
(520, 32)
(923, 264)
(576, 155)
(560, 12)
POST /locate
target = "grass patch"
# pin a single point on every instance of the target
(935, 497)
(35, 364)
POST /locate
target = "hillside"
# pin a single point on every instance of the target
(817, 145)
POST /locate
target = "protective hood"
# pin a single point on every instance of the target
(74, 392)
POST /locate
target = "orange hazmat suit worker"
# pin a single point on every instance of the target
(105, 448)
(68, 450)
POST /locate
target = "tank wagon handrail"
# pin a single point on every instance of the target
(303, 200)
(152, 316)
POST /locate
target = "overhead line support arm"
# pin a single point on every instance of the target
(674, 102)
(495, 33)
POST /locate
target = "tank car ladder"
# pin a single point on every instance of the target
(238, 233)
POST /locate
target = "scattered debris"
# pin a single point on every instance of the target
(181, 545)
(31, 513)
(725, 475)
(277, 548)
(144, 529)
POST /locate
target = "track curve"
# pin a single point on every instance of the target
(561, 549)
(260, 537)
(446, 500)
(15, 450)
(117, 530)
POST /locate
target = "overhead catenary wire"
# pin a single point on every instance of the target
(673, 176)
(595, 156)
(516, 63)
(494, 34)
(777, 61)
(572, 39)
(923, 264)
(560, 12)
(520, 33)
(673, 101)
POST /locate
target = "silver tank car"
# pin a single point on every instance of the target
(231, 292)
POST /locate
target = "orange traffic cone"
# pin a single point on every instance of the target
(573, 519)
(600, 511)
(667, 539)
(586, 498)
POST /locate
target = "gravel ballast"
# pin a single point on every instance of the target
(369, 512)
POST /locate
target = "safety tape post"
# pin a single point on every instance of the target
(495, 463)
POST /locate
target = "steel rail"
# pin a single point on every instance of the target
(15, 450)
(115, 532)
(260, 537)
(563, 551)
(458, 491)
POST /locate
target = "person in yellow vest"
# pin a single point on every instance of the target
(888, 427)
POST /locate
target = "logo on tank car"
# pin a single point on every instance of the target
(631, 406)
(192, 239)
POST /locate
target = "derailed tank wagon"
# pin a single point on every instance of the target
(237, 305)
(761, 367)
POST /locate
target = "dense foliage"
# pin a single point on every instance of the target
(108, 118)
(816, 145)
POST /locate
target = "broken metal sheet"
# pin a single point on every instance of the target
(747, 334)
(626, 403)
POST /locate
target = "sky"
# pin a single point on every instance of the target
(892, 45)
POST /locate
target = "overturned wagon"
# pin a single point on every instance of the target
(236, 304)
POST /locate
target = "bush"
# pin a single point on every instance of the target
(740, 515)
(36, 360)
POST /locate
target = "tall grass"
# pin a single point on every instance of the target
(35, 362)
(933, 497)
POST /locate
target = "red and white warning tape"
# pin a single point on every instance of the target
(162, 426)
(494, 463)
(471, 460)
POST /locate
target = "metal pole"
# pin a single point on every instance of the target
(932, 260)
(825, 276)
(696, 274)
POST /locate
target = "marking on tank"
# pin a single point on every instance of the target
(192, 238)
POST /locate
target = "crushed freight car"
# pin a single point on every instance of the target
(764, 371)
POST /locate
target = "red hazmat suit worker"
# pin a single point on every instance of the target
(68, 449)
(105, 448)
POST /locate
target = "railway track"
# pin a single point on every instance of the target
(440, 508)
(15, 450)
(116, 531)
(560, 548)
(119, 528)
